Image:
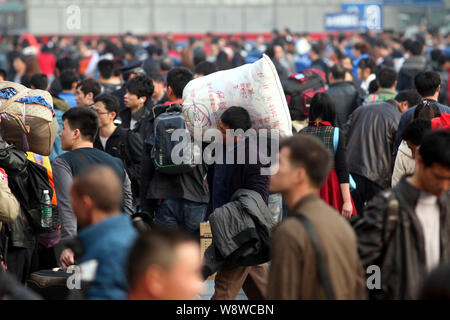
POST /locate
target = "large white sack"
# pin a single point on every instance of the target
(255, 87)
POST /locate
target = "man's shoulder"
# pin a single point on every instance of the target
(288, 230)
(70, 155)
(341, 84)
(61, 160)
(443, 108)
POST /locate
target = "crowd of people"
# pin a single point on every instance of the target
(364, 181)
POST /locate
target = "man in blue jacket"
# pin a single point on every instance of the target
(107, 234)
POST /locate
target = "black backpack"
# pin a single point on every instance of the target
(28, 190)
(38, 182)
(164, 125)
(300, 88)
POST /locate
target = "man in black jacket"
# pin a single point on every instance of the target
(184, 197)
(406, 231)
(415, 64)
(371, 131)
(227, 178)
(346, 96)
(128, 72)
(137, 99)
(317, 62)
(117, 141)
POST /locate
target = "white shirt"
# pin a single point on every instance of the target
(365, 83)
(103, 141)
(132, 124)
(427, 210)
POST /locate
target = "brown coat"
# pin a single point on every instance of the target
(293, 271)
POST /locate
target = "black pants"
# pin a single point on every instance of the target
(46, 257)
(21, 262)
(364, 192)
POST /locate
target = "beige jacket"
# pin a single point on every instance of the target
(9, 207)
(293, 271)
(404, 163)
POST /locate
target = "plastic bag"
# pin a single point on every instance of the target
(255, 87)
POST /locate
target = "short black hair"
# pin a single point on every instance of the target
(205, 68)
(156, 77)
(106, 68)
(437, 284)
(83, 119)
(427, 83)
(338, 71)
(310, 153)
(68, 77)
(386, 77)
(18, 55)
(407, 44)
(436, 55)
(270, 51)
(90, 85)
(141, 86)
(65, 63)
(415, 131)
(166, 64)
(373, 86)
(111, 102)
(427, 110)
(177, 79)
(39, 81)
(317, 48)
(367, 63)
(155, 247)
(435, 148)
(409, 95)
(416, 47)
(322, 106)
(199, 55)
(379, 43)
(3, 74)
(236, 118)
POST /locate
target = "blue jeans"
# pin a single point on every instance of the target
(183, 214)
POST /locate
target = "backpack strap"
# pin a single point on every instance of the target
(158, 109)
(324, 277)
(351, 181)
(335, 138)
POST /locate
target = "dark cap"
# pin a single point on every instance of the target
(133, 67)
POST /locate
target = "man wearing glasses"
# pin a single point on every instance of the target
(117, 141)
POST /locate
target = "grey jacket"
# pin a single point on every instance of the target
(241, 228)
(62, 177)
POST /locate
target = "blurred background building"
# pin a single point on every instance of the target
(198, 16)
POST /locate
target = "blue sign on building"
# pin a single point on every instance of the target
(342, 21)
(414, 2)
(370, 14)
